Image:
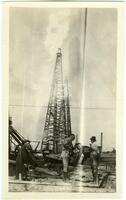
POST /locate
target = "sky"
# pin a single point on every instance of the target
(35, 36)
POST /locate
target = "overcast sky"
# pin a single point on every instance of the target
(35, 36)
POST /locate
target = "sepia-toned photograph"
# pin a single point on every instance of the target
(62, 110)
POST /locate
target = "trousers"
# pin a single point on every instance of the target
(65, 160)
(94, 157)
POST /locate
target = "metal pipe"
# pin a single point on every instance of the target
(101, 141)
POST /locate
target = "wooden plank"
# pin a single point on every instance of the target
(46, 171)
(12, 162)
(104, 180)
(54, 182)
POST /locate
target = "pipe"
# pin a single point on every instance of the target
(101, 141)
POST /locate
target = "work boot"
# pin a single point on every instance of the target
(96, 179)
(65, 176)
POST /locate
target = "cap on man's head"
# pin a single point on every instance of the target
(26, 141)
(93, 138)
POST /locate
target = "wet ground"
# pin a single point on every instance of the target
(80, 180)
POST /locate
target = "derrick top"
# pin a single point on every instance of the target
(59, 52)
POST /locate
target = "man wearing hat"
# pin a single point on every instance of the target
(94, 158)
(24, 158)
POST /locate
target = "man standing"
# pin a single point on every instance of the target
(65, 155)
(24, 158)
(94, 157)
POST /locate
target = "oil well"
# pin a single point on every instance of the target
(56, 128)
(58, 120)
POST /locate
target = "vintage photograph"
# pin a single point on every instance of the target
(62, 99)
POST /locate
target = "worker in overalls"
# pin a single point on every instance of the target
(94, 158)
(65, 155)
(24, 158)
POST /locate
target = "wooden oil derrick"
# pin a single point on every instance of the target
(57, 123)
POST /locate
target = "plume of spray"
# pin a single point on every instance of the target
(57, 31)
(82, 50)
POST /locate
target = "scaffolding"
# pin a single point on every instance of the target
(58, 122)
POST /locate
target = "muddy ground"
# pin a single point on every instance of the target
(80, 180)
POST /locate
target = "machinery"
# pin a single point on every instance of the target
(15, 140)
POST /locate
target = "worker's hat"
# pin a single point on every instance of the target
(93, 138)
(26, 141)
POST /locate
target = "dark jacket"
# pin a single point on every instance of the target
(24, 156)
